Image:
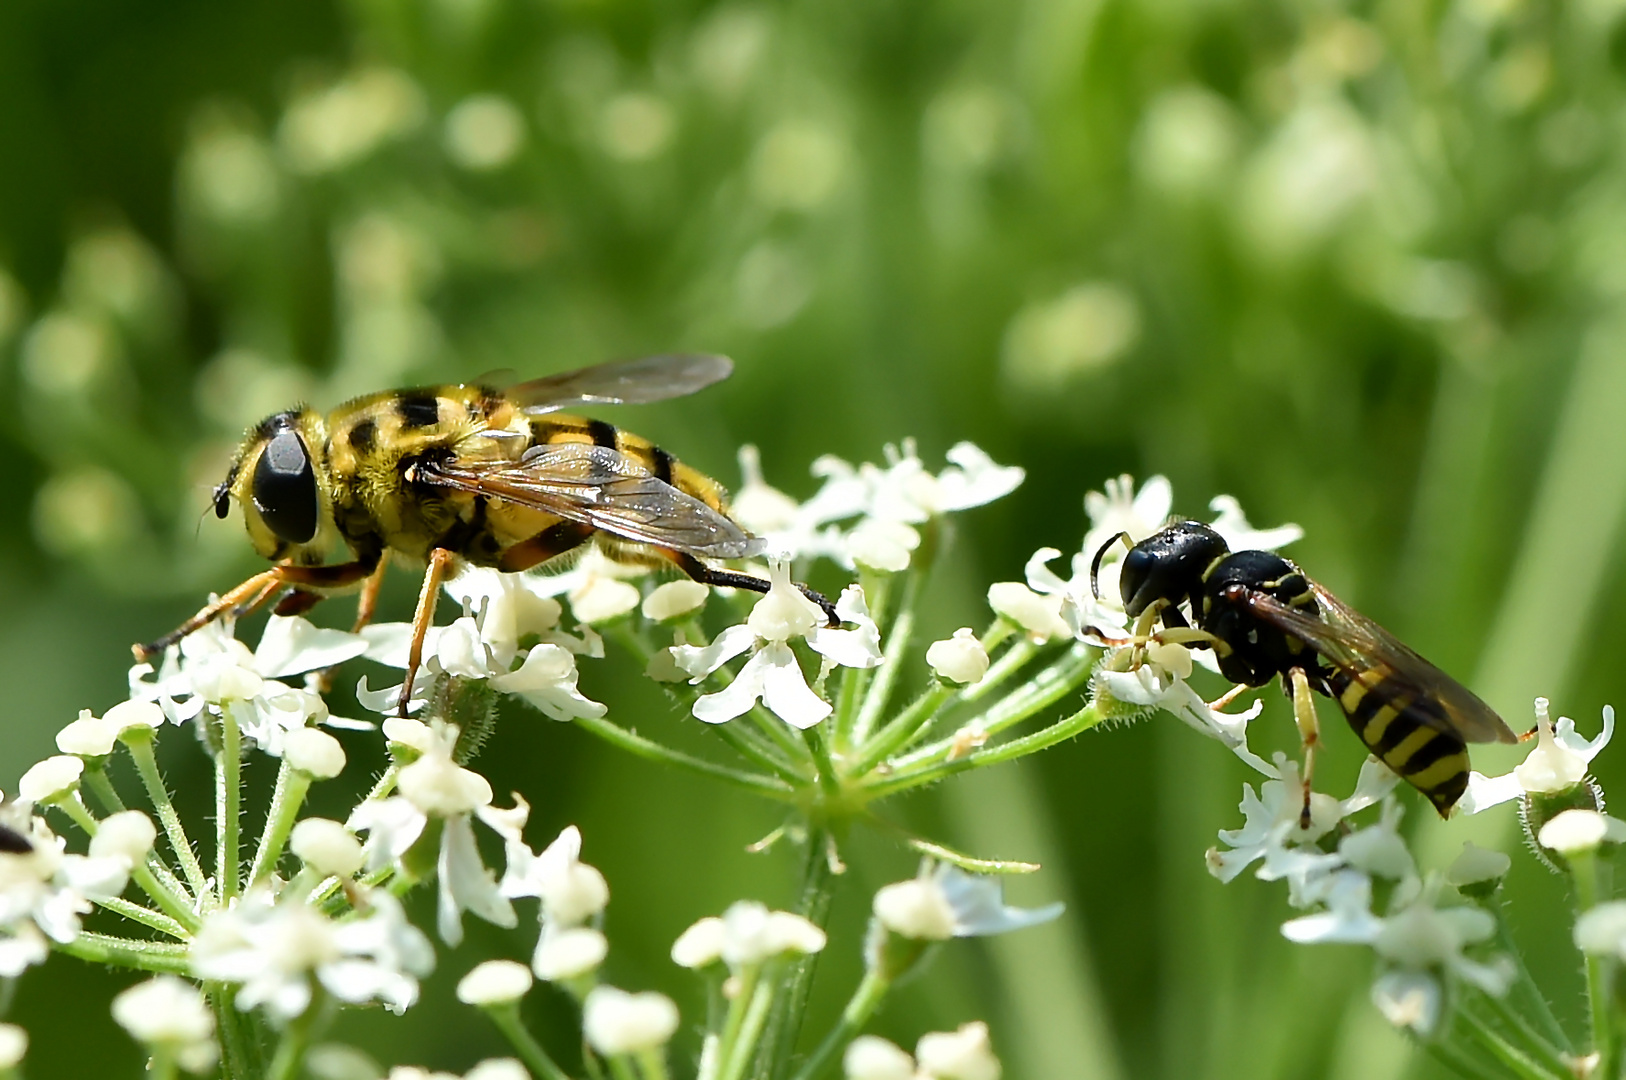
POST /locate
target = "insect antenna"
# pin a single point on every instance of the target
(1095, 563)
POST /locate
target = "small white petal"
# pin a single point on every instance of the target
(700, 661)
(50, 779)
(674, 600)
(1477, 864)
(408, 732)
(498, 1069)
(975, 479)
(870, 1057)
(327, 847)
(135, 714)
(960, 658)
(859, 647)
(783, 612)
(293, 645)
(978, 903)
(164, 1010)
(882, 545)
(128, 835)
(784, 689)
(701, 945)
(314, 752)
(547, 679)
(965, 1054)
(437, 786)
(569, 953)
(89, 736)
(1574, 831)
(1408, 999)
(1039, 615)
(602, 599)
(464, 884)
(917, 908)
(1601, 930)
(13, 1045)
(616, 1022)
(495, 982)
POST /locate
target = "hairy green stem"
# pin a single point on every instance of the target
(536, 1059)
(813, 904)
(1586, 873)
(146, 917)
(652, 1064)
(241, 1058)
(1516, 1060)
(289, 1061)
(1527, 986)
(146, 763)
(903, 728)
(650, 750)
(286, 800)
(161, 1064)
(754, 1017)
(898, 639)
(931, 772)
(181, 917)
(96, 779)
(1533, 1041)
(160, 957)
(229, 805)
(1011, 661)
(865, 1000)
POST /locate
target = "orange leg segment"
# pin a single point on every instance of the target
(440, 561)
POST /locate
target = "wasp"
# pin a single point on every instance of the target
(445, 476)
(1264, 617)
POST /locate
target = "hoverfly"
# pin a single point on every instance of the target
(447, 475)
(1264, 617)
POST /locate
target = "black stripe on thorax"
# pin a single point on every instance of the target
(363, 436)
(602, 433)
(418, 409)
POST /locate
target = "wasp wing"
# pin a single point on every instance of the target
(1356, 645)
(604, 488)
(625, 382)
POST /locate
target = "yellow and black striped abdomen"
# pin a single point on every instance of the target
(1404, 734)
(566, 428)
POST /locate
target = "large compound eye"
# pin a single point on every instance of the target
(1132, 578)
(284, 488)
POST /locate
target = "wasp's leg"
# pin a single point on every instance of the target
(440, 560)
(550, 543)
(1309, 732)
(1188, 635)
(1229, 696)
(733, 579)
(244, 598)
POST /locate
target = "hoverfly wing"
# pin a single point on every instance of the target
(626, 382)
(1355, 644)
(604, 488)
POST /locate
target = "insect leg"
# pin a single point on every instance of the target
(1309, 732)
(366, 604)
(1229, 696)
(249, 595)
(732, 579)
(440, 560)
(552, 541)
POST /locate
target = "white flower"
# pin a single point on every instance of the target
(870, 1057)
(44, 891)
(1576, 831)
(13, 1045)
(89, 736)
(1159, 681)
(701, 945)
(1271, 832)
(674, 600)
(565, 953)
(772, 674)
(752, 935)
(882, 545)
(547, 679)
(272, 948)
(1601, 930)
(127, 835)
(314, 753)
(498, 1069)
(1120, 509)
(435, 785)
(944, 901)
(616, 1022)
(1559, 762)
(51, 779)
(1408, 999)
(600, 599)
(1035, 613)
(327, 847)
(1379, 849)
(1231, 523)
(170, 1013)
(965, 1054)
(571, 891)
(1477, 864)
(495, 982)
(960, 658)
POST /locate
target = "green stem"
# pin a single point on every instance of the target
(1548, 1054)
(820, 751)
(228, 805)
(156, 956)
(181, 918)
(1515, 1059)
(818, 890)
(903, 728)
(1011, 661)
(1585, 872)
(734, 1021)
(753, 747)
(289, 1061)
(286, 800)
(1526, 983)
(146, 917)
(652, 1063)
(750, 1028)
(898, 640)
(865, 1000)
(240, 1059)
(536, 1059)
(931, 772)
(146, 764)
(619, 736)
(385, 784)
(97, 781)
(161, 1064)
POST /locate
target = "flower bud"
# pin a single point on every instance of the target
(616, 1022)
(314, 752)
(129, 834)
(170, 1012)
(495, 982)
(411, 733)
(569, 953)
(917, 908)
(959, 1055)
(1601, 931)
(602, 599)
(1477, 871)
(1577, 831)
(701, 945)
(13, 1045)
(326, 847)
(88, 737)
(1039, 615)
(870, 1057)
(51, 779)
(498, 1069)
(882, 545)
(139, 718)
(960, 659)
(674, 600)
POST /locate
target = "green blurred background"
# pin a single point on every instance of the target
(1361, 265)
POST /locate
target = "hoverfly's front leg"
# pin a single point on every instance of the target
(366, 605)
(733, 579)
(241, 600)
(1309, 732)
(440, 560)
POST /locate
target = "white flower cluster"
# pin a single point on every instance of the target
(965, 1054)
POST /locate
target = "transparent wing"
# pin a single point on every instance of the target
(623, 382)
(1355, 644)
(604, 488)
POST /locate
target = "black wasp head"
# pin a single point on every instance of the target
(13, 842)
(1168, 565)
(284, 484)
